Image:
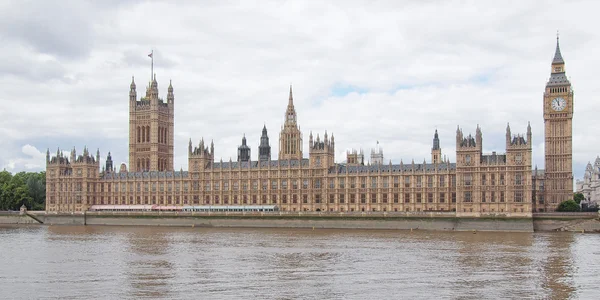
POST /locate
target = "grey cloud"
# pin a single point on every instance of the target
(231, 66)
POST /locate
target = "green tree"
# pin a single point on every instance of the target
(568, 206)
(578, 197)
(23, 188)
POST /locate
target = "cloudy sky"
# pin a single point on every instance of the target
(387, 71)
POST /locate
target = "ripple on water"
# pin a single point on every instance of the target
(205, 263)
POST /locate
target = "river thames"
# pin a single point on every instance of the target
(84, 262)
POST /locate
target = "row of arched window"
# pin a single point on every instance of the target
(162, 135)
(559, 90)
(143, 134)
(143, 164)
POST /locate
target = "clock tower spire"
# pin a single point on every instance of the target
(558, 134)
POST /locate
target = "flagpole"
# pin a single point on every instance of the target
(152, 65)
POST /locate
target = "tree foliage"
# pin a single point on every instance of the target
(578, 197)
(568, 206)
(27, 188)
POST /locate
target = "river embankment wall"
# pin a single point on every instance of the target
(576, 222)
(428, 221)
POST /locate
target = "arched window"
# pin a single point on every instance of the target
(147, 164)
(139, 167)
(166, 137)
(138, 134)
(147, 134)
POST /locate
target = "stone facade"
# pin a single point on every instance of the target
(478, 184)
(590, 185)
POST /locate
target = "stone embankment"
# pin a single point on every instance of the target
(575, 222)
(406, 221)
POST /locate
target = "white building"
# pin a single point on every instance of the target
(377, 155)
(590, 185)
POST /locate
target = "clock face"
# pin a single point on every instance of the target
(558, 104)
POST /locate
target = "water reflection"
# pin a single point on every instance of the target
(80, 262)
(557, 269)
(149, 269)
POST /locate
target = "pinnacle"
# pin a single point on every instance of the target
(558, 59)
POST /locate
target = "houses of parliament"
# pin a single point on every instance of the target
(477, 184)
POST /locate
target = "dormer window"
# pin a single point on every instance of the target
(557, 69)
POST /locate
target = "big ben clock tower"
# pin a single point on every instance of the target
(558, 133)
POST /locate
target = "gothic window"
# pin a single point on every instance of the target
(305, 183)
(138, 134)
(442, 198)
(341, 198)
(430, 197)
(430, 181)
(341, 183)
(467, 178)
(373, 198)
(419, 197)
(374, 182)
(407, 198)
(518, 196)
(518, 179)
(442, 181)
(468, 197)
(363, 182)
(407, 182)
(419, 181)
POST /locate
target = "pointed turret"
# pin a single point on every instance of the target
(47, 155)
(170, 96)
(436, 151)
(558, 59)
(436, 141)
(290, 114)
(264, 149)
(244, 151)
(529, 136)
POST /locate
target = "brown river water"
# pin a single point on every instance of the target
(93, 262)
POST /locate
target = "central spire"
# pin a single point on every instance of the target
(557, 55)
(291, 99)
(290, 113)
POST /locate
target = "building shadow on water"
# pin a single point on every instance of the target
(149, 267)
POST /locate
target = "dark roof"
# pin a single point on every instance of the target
(557, 79)
(263, 164)
(386, 168)
(557, 55)
(493, 158)
(152, 174)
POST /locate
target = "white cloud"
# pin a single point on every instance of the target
(29, 159)
(418, 66)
